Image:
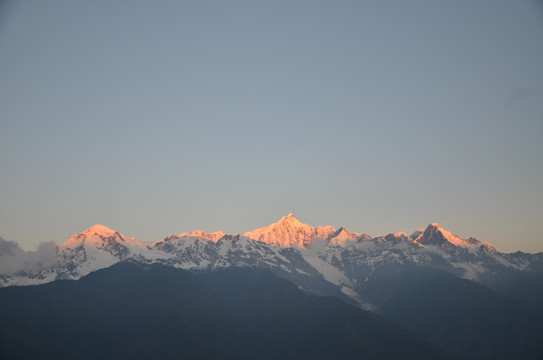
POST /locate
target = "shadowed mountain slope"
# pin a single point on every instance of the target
(152, 311)
(467, 320)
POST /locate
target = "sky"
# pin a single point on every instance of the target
(155, 118)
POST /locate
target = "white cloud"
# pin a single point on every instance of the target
(14, 259)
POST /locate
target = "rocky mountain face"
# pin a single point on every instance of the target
(320, 260)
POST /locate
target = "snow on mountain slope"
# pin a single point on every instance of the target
(95, 248)
(288, 231)
(342, 237)
(96, 236)
(321, 259)
(214, 236)
(436, 235)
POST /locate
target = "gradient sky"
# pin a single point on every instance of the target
(155, 118)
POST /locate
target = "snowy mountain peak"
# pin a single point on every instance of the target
(94, 234)
(95, 237)
(288, 231)
(342, 237)
(438, 236)
(288, 246)
(290, 219)
(99, 230)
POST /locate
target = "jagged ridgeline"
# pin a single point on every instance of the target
(319, 259)
(460, 295)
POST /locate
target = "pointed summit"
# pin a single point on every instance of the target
(438, 236)
(288, 231)
(342, 237)
(290, 219)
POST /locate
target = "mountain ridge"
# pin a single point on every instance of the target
(320, 260)
(289, 231)
(399, 276)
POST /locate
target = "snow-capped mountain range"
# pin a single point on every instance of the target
(321, 260)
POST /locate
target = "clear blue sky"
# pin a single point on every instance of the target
(154, 118)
